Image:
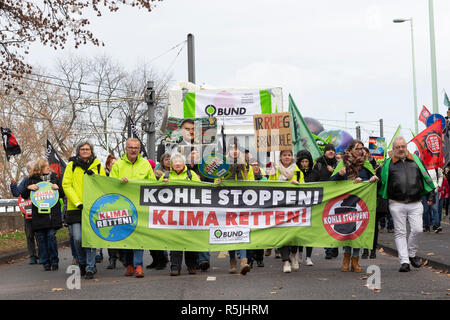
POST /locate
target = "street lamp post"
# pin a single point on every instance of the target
(433, 58)
(347, 112)
(416, 117)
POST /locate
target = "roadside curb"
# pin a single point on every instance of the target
(5, 258)
(432, 263)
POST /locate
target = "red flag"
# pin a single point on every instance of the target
(424, 114)
(429, 143)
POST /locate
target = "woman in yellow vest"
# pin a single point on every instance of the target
(238, 171)
(286, 170)
(179, 171)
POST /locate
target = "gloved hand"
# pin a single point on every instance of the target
(80, 206)
(89, 172)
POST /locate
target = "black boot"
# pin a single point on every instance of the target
(365, 254)
(112, 264)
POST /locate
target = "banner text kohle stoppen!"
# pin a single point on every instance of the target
(201, 208)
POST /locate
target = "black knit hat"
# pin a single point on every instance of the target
(329, 146)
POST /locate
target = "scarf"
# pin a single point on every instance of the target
(286, 173)
(353, 164)
(45, 177)
(78, 162)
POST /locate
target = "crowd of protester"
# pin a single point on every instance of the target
(355, 164)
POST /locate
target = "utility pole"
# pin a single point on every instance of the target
(191, 58)
(151, 133)
(381, 128)
(358, 132)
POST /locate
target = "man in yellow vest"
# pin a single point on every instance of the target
(132, 166)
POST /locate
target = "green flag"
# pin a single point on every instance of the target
(446, 101)
(392, 140)
(302, 137)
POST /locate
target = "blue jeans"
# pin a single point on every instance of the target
(429, 211)
(134, 257)
(203, 256)
(48, 247)
(243, 253)
(438, 216)
(349, 250)
(86, 256)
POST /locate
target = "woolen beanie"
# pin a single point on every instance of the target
(329, 146)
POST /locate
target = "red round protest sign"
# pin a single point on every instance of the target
(25, 207)
(345, 217)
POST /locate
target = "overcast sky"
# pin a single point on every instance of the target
(332, 56)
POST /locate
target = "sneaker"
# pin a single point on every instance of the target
(438, 229)
(89, 275)
(260, 263)
(130, 271)
(390, 230)
(328, 255)
(174, 272)
(309, 261)
(287, 268)
(278, 256)
(294, 263)
(47, 268)
(33, 260)
(139, 272)
(54, 267)
(373, 254)
(192, 271)
(268, 252)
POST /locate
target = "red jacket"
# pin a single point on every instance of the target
(444, 190)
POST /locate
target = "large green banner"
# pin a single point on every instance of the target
(197, 216)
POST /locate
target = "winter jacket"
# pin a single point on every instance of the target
(298, 176)
(250, 175)
(139, 170)
(309, 174)
(72, 184)
(321, 167)
(52, 220)
(405, 180)
(16, 190)
(186, 174)
(444, 191)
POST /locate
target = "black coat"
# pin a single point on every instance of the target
(310, 174)
(40, 221)
(321, 168)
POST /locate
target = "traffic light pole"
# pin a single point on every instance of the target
(151, 133)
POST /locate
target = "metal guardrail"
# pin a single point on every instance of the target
(9, 205)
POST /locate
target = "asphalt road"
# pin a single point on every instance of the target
(323, 281)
